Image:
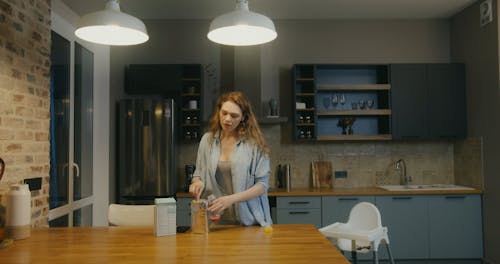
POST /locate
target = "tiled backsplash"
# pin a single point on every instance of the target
(371, 163)
(468, 163)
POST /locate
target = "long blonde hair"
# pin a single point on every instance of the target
(248, 127)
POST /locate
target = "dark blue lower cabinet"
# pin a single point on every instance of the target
(183, 217)
(298, 210)
(406, 218)
(421, 227)
(455, 227)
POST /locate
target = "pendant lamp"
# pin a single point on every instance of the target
(112, 27)
(242, 27)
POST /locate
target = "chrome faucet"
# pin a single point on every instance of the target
(401, 166)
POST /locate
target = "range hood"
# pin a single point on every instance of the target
(241, 70)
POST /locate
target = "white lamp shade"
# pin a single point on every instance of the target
(112, 27)
(242, 28)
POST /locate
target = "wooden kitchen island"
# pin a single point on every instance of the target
(225, 244)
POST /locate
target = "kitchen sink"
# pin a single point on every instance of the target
(423, 187)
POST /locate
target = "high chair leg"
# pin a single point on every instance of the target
(389, 251)
(354, 256)
(375, 257)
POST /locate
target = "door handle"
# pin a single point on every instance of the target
(296, 213)
(75, 165)
(401, 198)
(298, 202)
(348, 199)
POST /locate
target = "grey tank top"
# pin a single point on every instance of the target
(225, 183)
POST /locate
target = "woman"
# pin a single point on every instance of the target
(233, 164)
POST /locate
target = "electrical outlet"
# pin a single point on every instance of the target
(340, 174)
(485, 12)
(34, 183)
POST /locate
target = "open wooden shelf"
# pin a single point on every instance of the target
(353, 87)
(192, 89)
(190, 125)
(272, 120)
(367, 112)
(305, 124)
(317, 85)
(354, 137)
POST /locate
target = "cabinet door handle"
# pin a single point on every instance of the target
(402, 198)
(348, 199)
(297, 213)
(298, 202)
(454, 197)
(448, 136)
(410, 137)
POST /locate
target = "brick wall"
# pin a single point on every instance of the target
(25, 99)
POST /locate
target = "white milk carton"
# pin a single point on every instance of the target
(165, 215)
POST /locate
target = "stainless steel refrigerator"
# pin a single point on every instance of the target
(145, 159)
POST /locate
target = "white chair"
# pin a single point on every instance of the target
(131, 215)
(362, 233)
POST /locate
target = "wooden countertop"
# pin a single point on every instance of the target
(353, 191)
(362, 191)
(226, 244)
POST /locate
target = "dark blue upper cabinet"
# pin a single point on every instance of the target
(153, 79)
(447, 106)
(409, 101)
(428, 101)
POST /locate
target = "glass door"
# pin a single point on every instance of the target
(71, 128)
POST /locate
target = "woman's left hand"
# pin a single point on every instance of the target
(220, 204)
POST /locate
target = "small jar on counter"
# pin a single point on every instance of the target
(199, 223)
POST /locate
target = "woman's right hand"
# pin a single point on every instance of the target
(196, 188)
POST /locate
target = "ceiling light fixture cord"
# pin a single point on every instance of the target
(113, 5)
(242, 5)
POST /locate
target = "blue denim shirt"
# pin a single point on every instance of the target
(249, 166)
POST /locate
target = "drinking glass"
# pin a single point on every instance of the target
(326, 102)
(335, 100)
(362, 104)
(342, 99)
(370, 103)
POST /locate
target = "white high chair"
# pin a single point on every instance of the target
(131, 215)
(362, 233)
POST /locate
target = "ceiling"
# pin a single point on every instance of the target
(283, 9)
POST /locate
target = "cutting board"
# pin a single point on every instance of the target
(322, 174)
